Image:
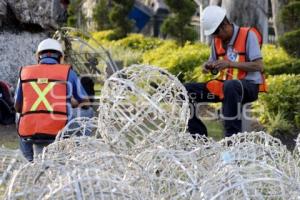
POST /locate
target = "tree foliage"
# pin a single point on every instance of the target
(177, 25)
(74, 12)
(289, 15)
(100, 15)
(119, 18)
(290, 42)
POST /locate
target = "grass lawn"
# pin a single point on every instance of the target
(215, 129)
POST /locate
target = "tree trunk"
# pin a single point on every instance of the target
(278, 26)
(202, 4)
(249, 13)
(215, 2)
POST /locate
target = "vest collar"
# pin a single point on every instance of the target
(234, 36)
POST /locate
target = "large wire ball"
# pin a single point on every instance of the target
(253, 181)
(31, 180)
(174, 174)
(10, 160)
(142, 104)
(93, 184)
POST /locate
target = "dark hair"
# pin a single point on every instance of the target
(88, 85)
(225, 21)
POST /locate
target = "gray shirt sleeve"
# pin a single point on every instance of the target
(253, 53)
(252, 47)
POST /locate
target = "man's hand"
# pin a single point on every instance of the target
(207, 66)
(221, 64)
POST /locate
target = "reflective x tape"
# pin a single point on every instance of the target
(42, 96)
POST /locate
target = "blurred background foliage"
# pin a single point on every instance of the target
(179, 50)
(281, 104)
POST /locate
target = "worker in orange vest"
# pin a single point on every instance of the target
(43, 98)
(236, 62)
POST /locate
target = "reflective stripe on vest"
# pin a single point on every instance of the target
(44, 104)
(41, 94)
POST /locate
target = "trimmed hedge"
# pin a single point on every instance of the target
(291, 42)
(289, 15)
(281, 104)
(291, 67)
(277, 61)
(180, 61)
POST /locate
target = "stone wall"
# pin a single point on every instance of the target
(47, 14)
(23, 24)
(16, 50)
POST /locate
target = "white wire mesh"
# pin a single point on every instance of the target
(75, 149)
(252, 181)
(90, 153)
(245, 148)
(296, 152)
(87, 152)
(141, 104)
(10, 160)
(174, 174)
(297, 146)
(31, 181)
(245, 166)
(93, 184)
(81, 126)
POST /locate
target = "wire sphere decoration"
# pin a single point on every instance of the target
(142, 104)
(93, 184)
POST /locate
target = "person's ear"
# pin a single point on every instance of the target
(37, 57)
(62, 59)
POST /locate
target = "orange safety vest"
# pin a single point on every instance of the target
(44, 104)
(239, 46)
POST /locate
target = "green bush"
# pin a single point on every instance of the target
(179, 61)
(102, 36)
(186, 60)
(281, 104)
(289, 15)
(290, 67)
(126, 56)
(277, 61)
(273, 55)
(139, 42)
(278, 125)
(291, 42)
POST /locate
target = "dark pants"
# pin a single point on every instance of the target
(31, 148)
(26, 147)
(236, 93)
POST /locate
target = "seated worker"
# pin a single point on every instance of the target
(237, 62)
(43, 97)
(7, 111)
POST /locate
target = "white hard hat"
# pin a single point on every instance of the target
(50, 44)
(211, 18)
